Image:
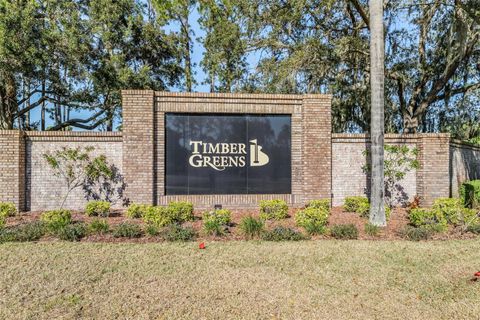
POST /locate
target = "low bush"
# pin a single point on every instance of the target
(32, 231)
(344, 231)
(470, 193)
(98, 208)
(475, 228)
(450, 208)
(214, 227)
(319, 204)
(176, 232)
(127, 230)
(56, 219)
(313, 219)
(273, 209)
(283, 234)
(468, 217)
(152, 230)
(372, 230)
(3, 221)
(98, 226)
(431, 219)
(415, 233)
(354, 204)
(251, 227)
(222, 216)
(72, 232)
(181, 210)
(137, 210)
(7, 209)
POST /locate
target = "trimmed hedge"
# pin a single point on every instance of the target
(470, 193)
(136, 210)
(56, 219)
(97, 208)
(175, 212)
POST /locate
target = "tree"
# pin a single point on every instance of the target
(377, 52)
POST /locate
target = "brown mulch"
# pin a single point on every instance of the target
(397, 222)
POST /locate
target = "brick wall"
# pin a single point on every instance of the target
(464, 164)
(43, 190)
(12, 168)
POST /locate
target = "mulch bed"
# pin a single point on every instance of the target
(397, 222)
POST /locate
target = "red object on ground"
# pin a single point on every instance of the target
(201, 245)
(477, 274)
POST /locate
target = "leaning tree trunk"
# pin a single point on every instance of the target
(377, 53)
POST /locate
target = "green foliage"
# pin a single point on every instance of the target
(415, 233)
(32, 231)
(344, 231)
(470, 193)
(97, 208)
(127, 230)
(251, 227)
(7, 209)
(314, 228)
(313, 219)
(56, 219)
(176, 232)
(475, 228)
(222, 216)
(372, 230)
(137, 210)
(450, 208)
(273, 209)
(152, 230)
(353, 204)
(214, 227)
(430, 219)
(182, 210)
(98, 226)
(319, 204)
(72, 232)
(3, 221)
(283, 234)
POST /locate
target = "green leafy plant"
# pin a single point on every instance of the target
(355, 203)
(450, 208)
(283, 234)
(98, 226)
(32, 231)
(3, 221)
(344, 231)
(415, 233)
(431, 219)
(273, 209)
(313, 219)
(372, 230)
(475, 228)
(97, 208)
(7, 209)
(127, 230)
(251, 227)
(137, 210)
(174, 213)
(72, 232)
(222, 216)
(319, 204)
(470, 193)
(77, 168)
(182, 210)
(152, 230)
(176, 232)
(56, 219)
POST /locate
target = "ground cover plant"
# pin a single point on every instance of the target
(344, 231)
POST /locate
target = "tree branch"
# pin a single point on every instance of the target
(79, 123)
(362, 12)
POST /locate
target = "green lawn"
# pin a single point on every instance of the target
(241, 280)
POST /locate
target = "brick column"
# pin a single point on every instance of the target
(139, 145)
(317, 147)
(433, 174)
(12, 168)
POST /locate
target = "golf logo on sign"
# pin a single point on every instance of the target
(220, 156)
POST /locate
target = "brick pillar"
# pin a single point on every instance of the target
(139, 145)
(317, 147)
(12, 168)
(433, 174)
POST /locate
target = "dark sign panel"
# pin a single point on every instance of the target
(227, 154)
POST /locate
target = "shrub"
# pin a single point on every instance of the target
(468, 217)
(214, 227)
(344, 231)
(222, 216)
(450, 208)
(152, 230)
(32, 231)
(182, 210)
(283, 234)
(353, 204)
(470, 193)
(474, 228)
(98, 226)
(312, 219)
(127, 230)
(251, 226)
(2, 222)
(273, 209)
(98, 208)
(159, 216)
(72, 232)
(7, 209)
(415, 234)
(319, 204)
(176, 232)
(372, 230)
(137, 210)
(56, 219)
(430, 219)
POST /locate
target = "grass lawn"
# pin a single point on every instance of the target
(241, 280)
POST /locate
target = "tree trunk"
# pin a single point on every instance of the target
(377, 125)
(42, 121)
(187, 49)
